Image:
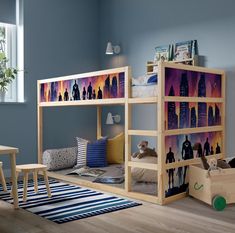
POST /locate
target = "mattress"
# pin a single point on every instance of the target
(141, 91)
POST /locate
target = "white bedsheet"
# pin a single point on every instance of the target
(144, 91)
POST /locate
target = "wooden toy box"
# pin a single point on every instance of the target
(219, 184)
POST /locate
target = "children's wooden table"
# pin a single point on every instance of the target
(12, 151)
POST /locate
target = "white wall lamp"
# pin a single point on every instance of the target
(110, 49)
(112, 119)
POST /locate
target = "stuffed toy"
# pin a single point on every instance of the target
(144, 150)
(212, 166)
(220, 163)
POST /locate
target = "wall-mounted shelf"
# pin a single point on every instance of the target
(152, 66)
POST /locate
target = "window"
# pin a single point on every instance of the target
(12, 44)
(8, 46)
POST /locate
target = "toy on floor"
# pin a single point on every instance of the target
(217, 190)
(144, 150)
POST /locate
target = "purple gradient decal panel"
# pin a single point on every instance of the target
(192, 115)
(176, 143)
(183, 79)
(96, 87)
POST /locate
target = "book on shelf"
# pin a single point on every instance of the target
(185, 50)
(162, 53)
(86, 171)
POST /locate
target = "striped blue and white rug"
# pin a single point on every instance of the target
(68, 202)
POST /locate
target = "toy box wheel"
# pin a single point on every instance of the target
(219, 203)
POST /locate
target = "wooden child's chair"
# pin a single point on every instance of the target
(34, 168)
(2, 177)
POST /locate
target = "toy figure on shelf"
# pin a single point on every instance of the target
(94, 95)
(66, 95)
(206, 147)
(199, 150)
(89, 92)
(76, 92)
(170, 158)
(187, 153)
(217, 149)
(84, 93)
(99, 94)
(212, 151)
(179, 174)
(60, 97)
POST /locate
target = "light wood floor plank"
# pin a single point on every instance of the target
(184, 216)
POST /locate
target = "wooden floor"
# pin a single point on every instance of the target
(186, 215)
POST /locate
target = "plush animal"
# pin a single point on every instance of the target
(220, 163)
(144, 150)
(212, 166)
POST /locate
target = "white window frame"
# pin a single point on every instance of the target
(10, 51)
(14, 38)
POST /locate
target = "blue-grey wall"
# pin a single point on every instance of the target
(60, 39)
(64, 37)
(7, 11)
(140, 25)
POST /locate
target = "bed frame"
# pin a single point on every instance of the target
(161, 133)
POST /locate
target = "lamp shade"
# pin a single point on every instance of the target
(109, 120)
(109, 49)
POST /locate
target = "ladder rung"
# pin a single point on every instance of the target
(143, 132)
(146, 100)
(149, 166)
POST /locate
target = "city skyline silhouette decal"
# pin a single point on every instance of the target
(185, 83)
(87, 88)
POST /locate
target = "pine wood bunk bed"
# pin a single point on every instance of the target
(190, 113)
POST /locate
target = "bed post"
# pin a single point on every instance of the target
(127, 127)
(161, 138)
(99, 122)
(39, 125)
(223, 115)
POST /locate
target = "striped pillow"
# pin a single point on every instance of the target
(96, 153)
(82, 152)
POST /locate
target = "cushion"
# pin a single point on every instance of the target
(96, 153)
(115, 149)
(82, 152)
(56, 159)
(144, 175)
(152, 79)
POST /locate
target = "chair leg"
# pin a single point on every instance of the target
(35, 179)
(25, 186)
(47, 183)
(3, 180)
(17, 174)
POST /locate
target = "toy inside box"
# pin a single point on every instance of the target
(217, 189)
